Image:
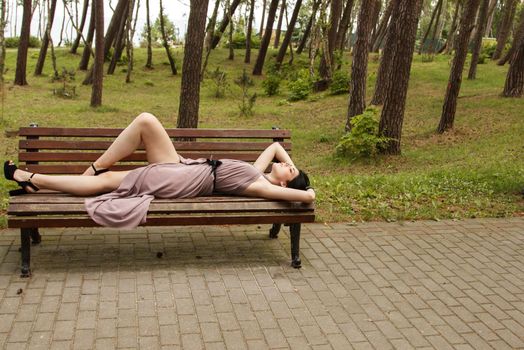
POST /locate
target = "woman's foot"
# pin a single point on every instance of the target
(21, 177)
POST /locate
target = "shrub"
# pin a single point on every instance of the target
(14, 42)
(272, 84)
(219, 79)
(488, 49)
(66, 90)
(482, 59)
(363, 140)
(300, 87)
(239, 41)
(248, 101)
(340, 83)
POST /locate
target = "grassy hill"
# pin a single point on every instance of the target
(476, 170)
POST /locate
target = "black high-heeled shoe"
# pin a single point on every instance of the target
(98, 172)
(9, 172)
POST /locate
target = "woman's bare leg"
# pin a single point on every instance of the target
(74, 184)
(144, 129)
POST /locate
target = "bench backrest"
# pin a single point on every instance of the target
(72, 150)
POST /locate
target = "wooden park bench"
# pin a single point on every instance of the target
(72, 150)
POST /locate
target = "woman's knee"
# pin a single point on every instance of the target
(147, 119)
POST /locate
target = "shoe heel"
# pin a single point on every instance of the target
(17, 192)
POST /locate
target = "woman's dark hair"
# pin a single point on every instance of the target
(300, 182)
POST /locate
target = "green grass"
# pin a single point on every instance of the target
(476, 170)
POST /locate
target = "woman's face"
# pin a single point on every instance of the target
(284, 172)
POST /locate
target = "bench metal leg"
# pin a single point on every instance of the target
(25, 242)
(36, 238)
(294, 230)
(273, 232)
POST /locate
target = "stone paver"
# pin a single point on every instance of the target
(410, 285)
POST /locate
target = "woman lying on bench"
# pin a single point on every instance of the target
(126, 195)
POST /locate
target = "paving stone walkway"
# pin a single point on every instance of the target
(422, 285)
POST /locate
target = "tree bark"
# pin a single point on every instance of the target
(505, 27)
(477, 40)
(455, 78)
(385, 67)
(326, 63)
(3, 16)
(191, 68)
(149, 62)
(129, 40)
(259, 65)
(307, 31)
(450, 41)
(210, 30)
(359, 66)
(98, 67)
(224, 24)
(430, 25)
(374, 20)
(45, 41)
(165, 43)
(86, 54)
(434, 37)
(491, 12)
(21, 60)
(289, 34)
(75, 45)
(263, 18)
(231, 25)
(343, 25)
(376, 40)
(518, 36)
(114, 25)
(514, 85)
(118, 44)
(247, 57)
(406, 20)
(279, 25)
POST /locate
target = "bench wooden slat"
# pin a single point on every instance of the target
(78, 169)
(180, 146)
(188, 133)
(181, 220)
(60, 198)
(163, 208)
(135, 157)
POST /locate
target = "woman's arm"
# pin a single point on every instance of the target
(275, 150)
(270, 191)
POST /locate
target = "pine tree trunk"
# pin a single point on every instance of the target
(374, 20)
(118, 41)
(115, 25)
(190, 88)
(62, 28)
(247, 57)
(86, 54)
(430, 25)
(359, 66)
(343, 25)
(450, 41)
(491, 13)
(377, 39)
(385, 67)
(326, 63)
(74, 48)
(98, 67)
(231, 25)
(45, 41)
(129, 41)
(224, 24)
(406, 20)
(3, 16)
(477, 40)
(505, 27)
(455, 78)
(210, 31)
(21, 61)
(289, 34)
(279, 25)
(307, 31)
(431, 49)
(165, 43)
(259, 65)
(517, 38)
(149, 62)
(263, 18)
(514, 86)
